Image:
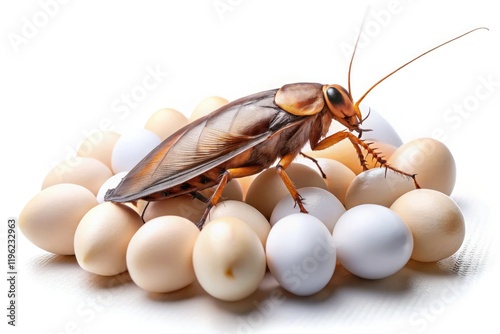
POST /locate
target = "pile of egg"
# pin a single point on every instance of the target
(370, 222)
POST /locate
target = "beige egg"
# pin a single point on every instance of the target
(99, 146)
(206, 106)
(232, 191)
(246, 213)
(183, 206)
(345, 153)
(377, 186)
(338, 175)
(160, 254)
(49, 220)
(431, 160)
(102, 238)
(245, 183)
(228, 258)
(165, 122)
(436, 223)
(88, 172)
(268, 188)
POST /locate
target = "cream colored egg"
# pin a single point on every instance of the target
(345, 153)
(268, 188)
(232, 191)
(102, 237)
(431, 160)
(246, 213)
(229, 260)
(206, 106)
(436, 223)
(88, 172)
(99, 146)
(49, 220)
(338, 175)
(165, 122)
(377, 186)
(245, 183)
(183, 206)
(160, 254)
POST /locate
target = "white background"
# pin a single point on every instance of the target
(69, 74)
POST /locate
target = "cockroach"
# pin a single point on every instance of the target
(249, 135)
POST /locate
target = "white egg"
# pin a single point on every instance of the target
(131, 147)
(159, 255)
(301, 254)
(110, 183)
(380, 129)
(229, 259)
(372, 241)
(318, 202)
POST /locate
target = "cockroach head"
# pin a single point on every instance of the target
(341, 106)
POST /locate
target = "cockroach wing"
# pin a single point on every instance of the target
(203, 145)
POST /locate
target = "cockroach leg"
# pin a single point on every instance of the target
(280, 168)
(197, 195)
(226, 177)
(358, 144)
(316, 162)
(144, 212)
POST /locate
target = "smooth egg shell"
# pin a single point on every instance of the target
(131, 148)
(228, 258)
(436, 222)
(246, 213)
(87, 172)
(301, 254)
(338, 175)
(372, 241)
(165, 122)
(206, 106)
(159, 255)
(49, 220)
(99, 146)
(102, 237)
(268, 188)
(377, 186)
(318, 202)
(431, 160)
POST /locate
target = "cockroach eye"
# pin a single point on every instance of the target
(334, 96)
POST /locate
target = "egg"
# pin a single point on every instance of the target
(110, 183)
(160, 254)
(87, 172)
(436, 222)
(206, 106)
(318, 202)
(268, 188)
(246, 213)
(228, 258)
(301, 254)
(102, 238)
(431, 160)
(183, 206)
(49, 220)
(99, 146)
(131, 147)
(232, 191)
(338, 175)
(377, 186)
(165, 122)
(245, 183)
(372, 241)
(380, 129)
